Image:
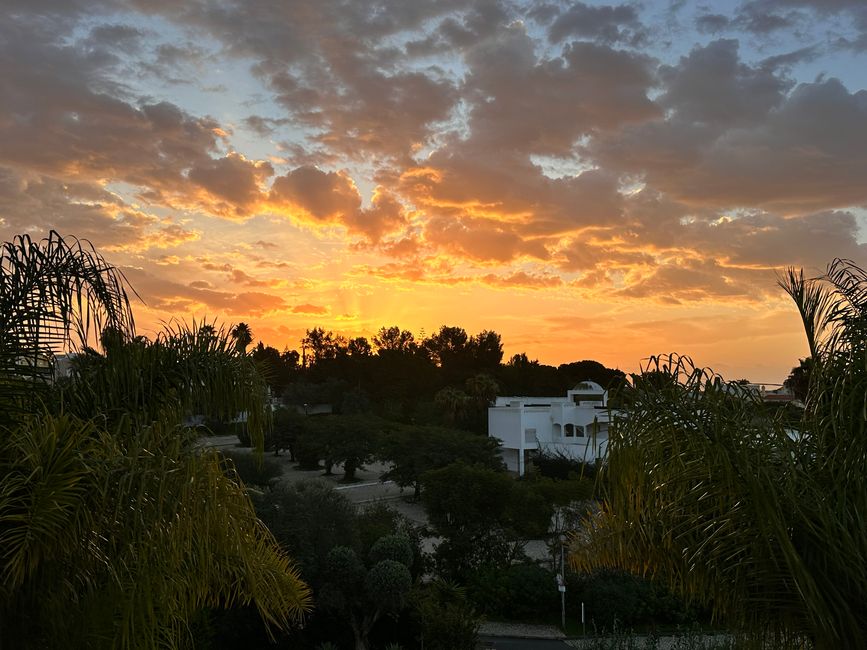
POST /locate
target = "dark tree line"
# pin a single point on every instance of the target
(449, 377)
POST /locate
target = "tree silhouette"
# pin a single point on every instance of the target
(243, 336)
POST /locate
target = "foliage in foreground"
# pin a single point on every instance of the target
(692, 639)
(713, 493)
(115, 530)
(448, 620)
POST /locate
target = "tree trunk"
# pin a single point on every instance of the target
(359, 633)
(349, 466)
(361, 629)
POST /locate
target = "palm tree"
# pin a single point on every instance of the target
(51, 293)
(753, 512)
(115, 530)
(243, 336)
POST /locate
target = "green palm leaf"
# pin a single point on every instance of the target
(115, 529)
(751, 511)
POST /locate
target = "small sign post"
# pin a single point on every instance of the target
(561, 583)
(583, 626)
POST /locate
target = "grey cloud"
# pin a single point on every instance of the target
(264, 126)
(36, 204)
(325, 196)
(124, 38)
(712, 23)
(788, 59)
(735, 137)
(332, 70)
(234, 179)
(759, 18)
(542, 106)
(771, 240)
(855, 11)
(711, 85)
(57, 116)
(606, 23)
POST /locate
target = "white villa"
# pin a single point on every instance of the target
(575, 425)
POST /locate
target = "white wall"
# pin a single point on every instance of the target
(521, 426)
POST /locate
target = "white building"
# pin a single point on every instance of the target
(575, 425)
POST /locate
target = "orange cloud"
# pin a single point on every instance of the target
(307, 308)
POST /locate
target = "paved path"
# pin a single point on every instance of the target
(495, 628)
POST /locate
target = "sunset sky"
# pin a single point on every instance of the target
(590, 180)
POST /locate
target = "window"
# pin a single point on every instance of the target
(529, 435)
(573, 431)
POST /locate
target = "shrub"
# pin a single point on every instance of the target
(610, 595)
(520, 592)
(392, 547)
(253, 470)
(308, 449)
(448, 620)
(558, 465)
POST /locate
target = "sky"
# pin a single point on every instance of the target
(590, 180)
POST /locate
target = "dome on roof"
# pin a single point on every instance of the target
(587, 385)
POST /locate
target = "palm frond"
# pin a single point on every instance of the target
(114, 529)
(132, 538)
(54, 295)
(186, 370)
(717, 495)
(815, 302)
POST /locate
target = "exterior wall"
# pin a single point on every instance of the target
(531, 423)
(512, 459)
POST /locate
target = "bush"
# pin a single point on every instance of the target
(392, 547)
(611, 596)
(253, 470)
(448, 620)
(377, 521)
(308, 453)
(560, 466)
(309, 518)
(524, 592)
